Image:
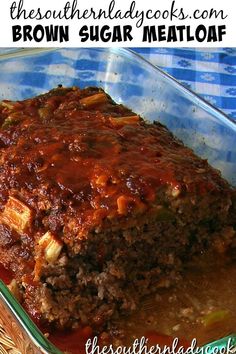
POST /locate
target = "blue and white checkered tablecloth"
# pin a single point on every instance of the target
(209, 72)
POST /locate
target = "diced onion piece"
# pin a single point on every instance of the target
(51, 247)
(12, 119)
(122, 204)
(117, 121)
(8, 104)
(175, 192)
(101, 180)
(44, 112)
(215, 316)
(14, 289)
(93, 100)
(17, 215)
(125, 204)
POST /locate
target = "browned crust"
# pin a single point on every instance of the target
(86, 184)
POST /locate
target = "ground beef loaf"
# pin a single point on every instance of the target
(99, 207)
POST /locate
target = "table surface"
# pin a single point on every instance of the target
(210, 72)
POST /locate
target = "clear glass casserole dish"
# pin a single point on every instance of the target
(132, 81)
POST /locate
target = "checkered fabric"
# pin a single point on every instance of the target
(209, 72)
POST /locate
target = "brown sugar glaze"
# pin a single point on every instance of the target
(99, 182)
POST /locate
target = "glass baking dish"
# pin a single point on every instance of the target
(132, 81)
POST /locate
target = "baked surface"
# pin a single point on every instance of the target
(99, 207)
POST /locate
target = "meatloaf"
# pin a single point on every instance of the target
(99, 207)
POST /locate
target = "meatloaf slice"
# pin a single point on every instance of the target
(99, 207)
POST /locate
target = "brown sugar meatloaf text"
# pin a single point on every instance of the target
(99, 207)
